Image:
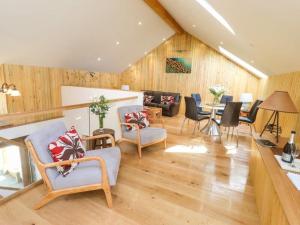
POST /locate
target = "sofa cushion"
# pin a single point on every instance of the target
(68, 146)
(167, 99)
(148, 99)
(148, 135)
(89, 172)
(139, 118)
(164, 106)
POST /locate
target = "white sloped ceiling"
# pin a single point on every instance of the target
(75, 33)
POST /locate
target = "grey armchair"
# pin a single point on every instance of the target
(97, 170)
(141, 137)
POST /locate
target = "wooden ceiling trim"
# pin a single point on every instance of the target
(164, 14)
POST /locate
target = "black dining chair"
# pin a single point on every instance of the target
(197, 98)
(224, 100)
(230, 118)
(250, 119)
(191, 113)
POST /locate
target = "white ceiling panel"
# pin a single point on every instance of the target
(74, 33)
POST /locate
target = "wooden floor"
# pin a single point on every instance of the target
(196, 180)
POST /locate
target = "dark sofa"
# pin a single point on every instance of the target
(167, 110)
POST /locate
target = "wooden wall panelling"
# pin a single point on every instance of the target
(41, 88)
(208, 68)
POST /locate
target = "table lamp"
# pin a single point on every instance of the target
(246, 99)
(279, 101)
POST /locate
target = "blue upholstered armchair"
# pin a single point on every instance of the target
(97, 170)
(141, 137)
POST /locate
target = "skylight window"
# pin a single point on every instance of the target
(242, 63)
(215, 14)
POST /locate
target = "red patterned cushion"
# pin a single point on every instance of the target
(167, 99)
(67, 147)
(148, 98)
(139, 118)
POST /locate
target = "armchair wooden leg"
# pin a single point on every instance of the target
(107, 193)
(140, 151)
(165, 142)
(46, 199)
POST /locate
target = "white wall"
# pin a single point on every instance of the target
(80, 117)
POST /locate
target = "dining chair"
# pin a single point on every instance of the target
(251, 118)
(198, 100)
(141, 137)
(230, 118)
(98, 169)
(224, 100)
(191, 113)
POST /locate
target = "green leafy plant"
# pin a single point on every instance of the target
(100, 107)
(217, 91)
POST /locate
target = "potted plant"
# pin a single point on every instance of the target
(100, 108)
(217, 91)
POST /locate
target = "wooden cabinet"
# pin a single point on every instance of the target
(278, 201)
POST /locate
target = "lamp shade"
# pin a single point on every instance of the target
(246, 97)
(279, 101)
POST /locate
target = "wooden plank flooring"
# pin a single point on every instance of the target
(194, 181)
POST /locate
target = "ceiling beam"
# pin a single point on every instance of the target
(164, 14)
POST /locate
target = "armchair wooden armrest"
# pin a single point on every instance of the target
(68, 162)
(87, 138)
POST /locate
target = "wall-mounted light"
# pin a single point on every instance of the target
(10, 89)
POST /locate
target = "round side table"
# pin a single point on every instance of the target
(101, 142)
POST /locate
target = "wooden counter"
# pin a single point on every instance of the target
(278, 201)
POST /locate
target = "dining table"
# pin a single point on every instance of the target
(212, 128)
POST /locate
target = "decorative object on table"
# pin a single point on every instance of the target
(288, 149)
(125, 87)
(250, 118)
(98, 164)
(265, 143)
(102, 141)
(246, 99)
(100, 108)
(217, 91)
(141, 137)
(10, 89)
(178, 65)
(279, 101)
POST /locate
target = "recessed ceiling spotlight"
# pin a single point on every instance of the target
(242, 63)
(117, 42)
(164, 39)
(221, 43)
(98, 59)
(194, 25)
(145, 53)
(129, 65)
(252, 61)
(215, 14)
(140, 23)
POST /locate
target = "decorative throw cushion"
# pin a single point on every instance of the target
(67, 147)
(148, 99)
(139, 118)
(167, 100)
